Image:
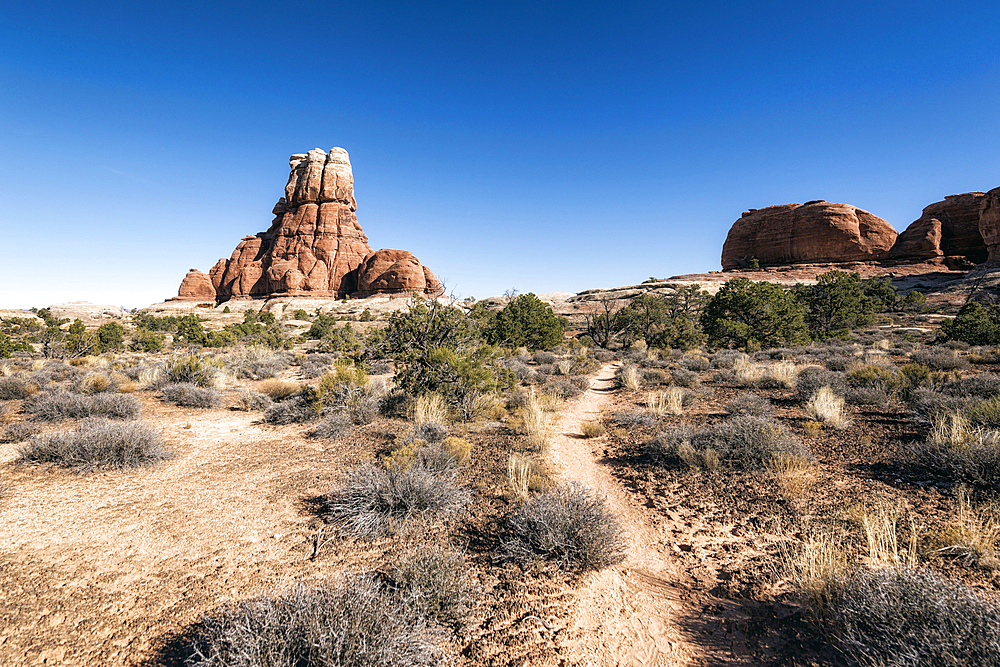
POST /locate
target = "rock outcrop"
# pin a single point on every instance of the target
(314, 247)
(814, 232)
(196, 286)
(948, 230)
(989, 224)
(396, 272)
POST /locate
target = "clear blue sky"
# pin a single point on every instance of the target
(537, 146)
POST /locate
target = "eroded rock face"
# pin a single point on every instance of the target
(946, 229)
(391, 271)
(989, 224)
(196, 285)
(814, 232)
(315, 243)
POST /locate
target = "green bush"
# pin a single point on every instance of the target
(144, 340)
(525, 322)
(754, 315)
(975, 324)
(836, 304)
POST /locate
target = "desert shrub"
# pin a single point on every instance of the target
(592, 429)
(295, 410)
(430, 431)
(437, 457)
(97, 444)
(826, 406)
(725, 359)
(18, 432)
(398, 403)
(335, 425)
(604, 356)
(838, 362)
(905, 616)
(15, 388)
(957, 451)
(544, 358)
(743, 441)
(95, 383)
(249, 400)
(115, 406)
(192, 369)
(521, 370)
(436, 583)
(886, 379)
(373, 501)
(567, 525)
(355, 621)
(695, 362)
(684, 378)
(633, 418)
(541, 372)
(188, 395)
(256, 362)
(940, 358)
(563, 389)
(58, 405)
(985, 385)
(652, 377)
(315, 365)
(278, 390)
(750, 404)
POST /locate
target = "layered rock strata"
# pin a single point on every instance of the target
(947, 230)
(814, 232)
(314, 247)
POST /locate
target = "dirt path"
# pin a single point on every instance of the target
(627, 615)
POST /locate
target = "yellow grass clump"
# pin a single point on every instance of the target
(592, 429)
(430, 408)
(536, 422)
(793, 474)
(524, 475)
(827, 407)
(667, 402)
(631, 379)
(278, 390)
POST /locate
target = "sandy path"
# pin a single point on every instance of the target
(627, 615)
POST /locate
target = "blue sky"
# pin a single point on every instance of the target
(536, 146)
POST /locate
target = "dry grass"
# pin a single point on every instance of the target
(631, 378)
(881, 524)
(278, 390)
(782, 374)
(793, 474)
(524, 475)
(430, 408)
(817, 572)
(536, 422)
(827, 407)
(973, 535)
(592, 429)
(705, 459)
(667, 402)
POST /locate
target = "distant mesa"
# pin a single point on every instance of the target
(814, 232)
(947, 230)
(314, 247)
(955, 234)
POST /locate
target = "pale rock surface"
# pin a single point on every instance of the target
(814, 232)
(84, 310)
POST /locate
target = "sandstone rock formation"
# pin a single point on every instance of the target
(396, 272)
(947, 229)
(989, 224)
(814, 232)
(196, 286)
(314, 246)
